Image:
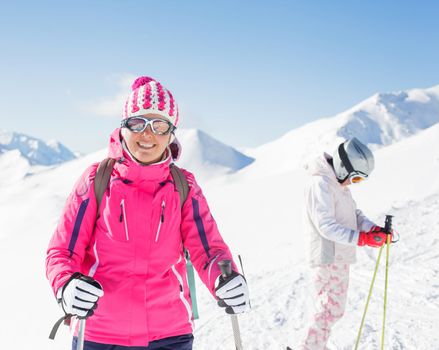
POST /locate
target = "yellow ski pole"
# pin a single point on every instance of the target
(368, 298)
(388, 230)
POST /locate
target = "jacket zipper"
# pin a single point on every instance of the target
(123, 215)
(161, 221)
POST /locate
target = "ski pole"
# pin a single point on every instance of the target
(226, 272)
(80, 344)
(388, 230)
(82, 320)
(368, 298)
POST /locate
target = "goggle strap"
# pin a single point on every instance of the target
(344, 158)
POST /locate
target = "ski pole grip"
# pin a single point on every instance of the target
(226, 268)
(388, 224)
(91, 281)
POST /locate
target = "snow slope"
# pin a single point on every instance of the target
(259, 213)
(268, 235)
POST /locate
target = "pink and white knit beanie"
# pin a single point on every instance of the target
(149, 96)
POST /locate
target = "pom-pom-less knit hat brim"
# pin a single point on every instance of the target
(149, 96)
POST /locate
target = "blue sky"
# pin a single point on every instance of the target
(246, 72)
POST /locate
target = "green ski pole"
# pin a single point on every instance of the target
(368, 299)
(388, 230)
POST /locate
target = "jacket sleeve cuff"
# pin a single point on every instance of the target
(355, 237)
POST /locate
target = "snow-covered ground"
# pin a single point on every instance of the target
(258, 208)
(282, 306)
(280, 279)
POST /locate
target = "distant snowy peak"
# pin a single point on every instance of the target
(201, 150)
(36, 151)
(386, 118)
(380, 120)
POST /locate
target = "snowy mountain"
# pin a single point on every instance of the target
(22, 155)
(208, 156)
(380, 120)
(386, 118)
(36, 151)
(259, 209)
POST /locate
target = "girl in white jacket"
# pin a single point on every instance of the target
(335, 227)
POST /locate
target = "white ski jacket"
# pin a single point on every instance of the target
(332, 220)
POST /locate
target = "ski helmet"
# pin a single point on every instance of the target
(352, 157)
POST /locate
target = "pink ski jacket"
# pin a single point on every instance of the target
(134, 249)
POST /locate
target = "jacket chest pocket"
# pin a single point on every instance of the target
(117, 221)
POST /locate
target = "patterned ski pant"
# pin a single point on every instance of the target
(331, 283)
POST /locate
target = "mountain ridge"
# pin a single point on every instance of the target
(378, 121)
(35, 150)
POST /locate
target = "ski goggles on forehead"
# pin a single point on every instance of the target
(357, 177)
(139, 124)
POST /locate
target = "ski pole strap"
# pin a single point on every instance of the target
(243, 274)
(191, 282)
(398, 237)
(66, 319)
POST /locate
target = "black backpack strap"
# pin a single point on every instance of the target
(181, 183)
(102, 179)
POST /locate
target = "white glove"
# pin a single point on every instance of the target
(80, 294)
(233, 294)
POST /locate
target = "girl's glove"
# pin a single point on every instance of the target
(376, 237)
(232, 293)
(79, 295)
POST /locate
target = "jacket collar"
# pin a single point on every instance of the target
(127, 168)
(321, 167)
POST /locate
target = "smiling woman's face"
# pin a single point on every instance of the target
(147, 147)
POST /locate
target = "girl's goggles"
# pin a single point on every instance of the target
(139, 124)
(357, 177)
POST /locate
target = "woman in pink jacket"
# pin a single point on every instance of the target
(122, 262)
